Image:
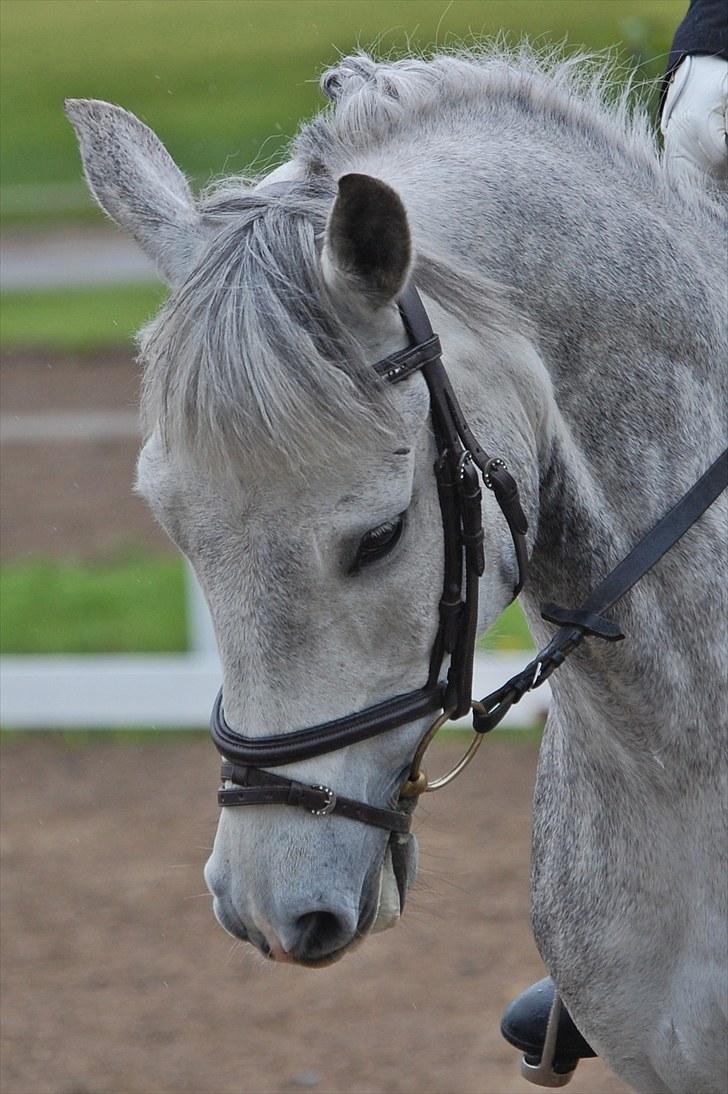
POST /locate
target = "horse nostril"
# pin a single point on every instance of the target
(319, 934)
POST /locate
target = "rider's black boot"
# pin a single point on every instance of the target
(541, 1026)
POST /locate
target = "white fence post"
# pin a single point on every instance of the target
(200, 633)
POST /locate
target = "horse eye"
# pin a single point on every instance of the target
(377, 543)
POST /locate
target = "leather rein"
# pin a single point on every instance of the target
(460, 464)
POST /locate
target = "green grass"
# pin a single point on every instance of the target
(77, 319)
(225, 82)
(132, 604)
(509, 633)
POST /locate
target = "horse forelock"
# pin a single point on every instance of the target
(249, 357)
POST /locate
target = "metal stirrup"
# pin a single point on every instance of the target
(543, 1073)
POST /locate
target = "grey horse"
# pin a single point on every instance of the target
(580, 294)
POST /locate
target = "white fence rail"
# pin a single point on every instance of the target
(161, 692)
(166, 691)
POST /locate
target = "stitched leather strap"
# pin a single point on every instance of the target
(457, 435)
(398, 366)
(590, 623)
(304, 744)
(253, 786)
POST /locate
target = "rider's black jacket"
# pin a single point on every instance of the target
(703, 30)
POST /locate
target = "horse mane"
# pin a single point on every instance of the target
(377, 101)
(249, 357)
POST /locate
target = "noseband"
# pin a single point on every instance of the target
(459, 464)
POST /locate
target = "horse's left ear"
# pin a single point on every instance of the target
(135, 180)
(368, 247)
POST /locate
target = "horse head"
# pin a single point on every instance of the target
(301, 489)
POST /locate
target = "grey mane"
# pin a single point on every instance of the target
(250, 350)
(377, 102)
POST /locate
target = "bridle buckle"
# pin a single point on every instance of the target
(466, 457)
(330, 803)
(495, 463)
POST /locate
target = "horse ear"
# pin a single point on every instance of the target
(368, 245)
(135, 180)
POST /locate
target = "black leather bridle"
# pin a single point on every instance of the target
(459, 461)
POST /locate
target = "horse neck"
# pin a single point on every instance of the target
(656, 693)
(592, 490)
(633, 354)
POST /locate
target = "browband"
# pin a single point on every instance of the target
(398, 366)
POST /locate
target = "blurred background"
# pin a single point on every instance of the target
(115, 976)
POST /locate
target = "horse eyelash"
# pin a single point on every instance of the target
(360, 562)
